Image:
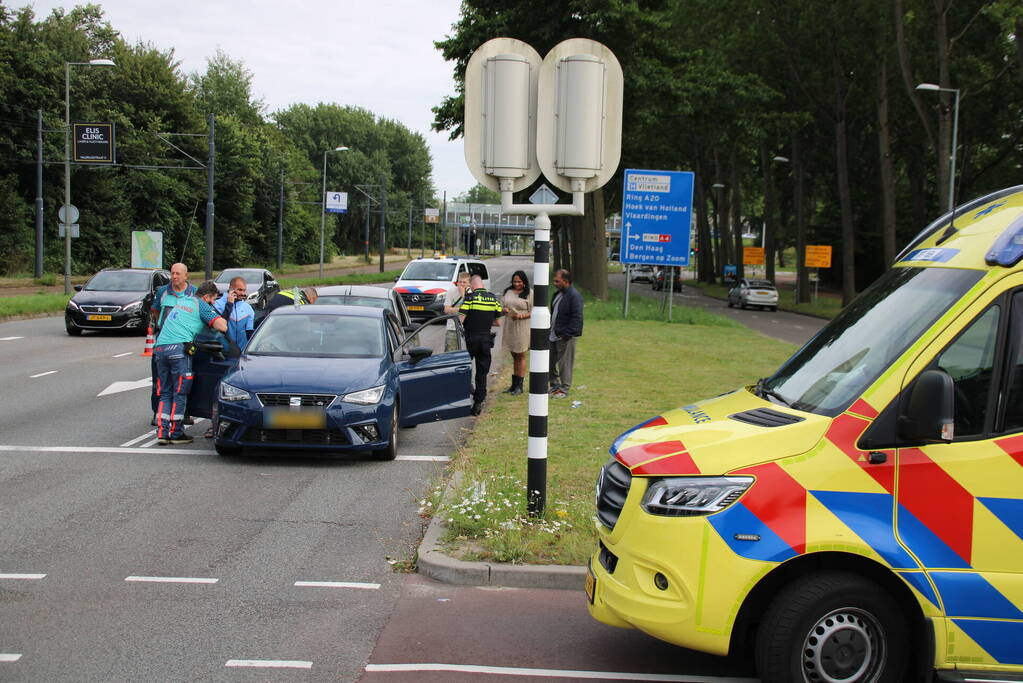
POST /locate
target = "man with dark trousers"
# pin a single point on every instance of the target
(480, 310)
(566, 325)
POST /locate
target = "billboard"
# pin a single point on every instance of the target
(92, 143)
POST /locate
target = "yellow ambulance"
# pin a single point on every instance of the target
(858, 515)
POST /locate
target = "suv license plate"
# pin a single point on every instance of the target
(97, 317)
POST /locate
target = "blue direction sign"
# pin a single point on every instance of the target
(656, 217)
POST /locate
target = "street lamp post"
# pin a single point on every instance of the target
(323, 200)
(67, 162)
(933, 87)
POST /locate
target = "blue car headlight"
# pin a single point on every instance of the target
(232, 393)
(366, 397)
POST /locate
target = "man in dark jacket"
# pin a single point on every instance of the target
(566, 325)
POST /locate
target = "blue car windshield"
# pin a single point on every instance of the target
(318, 336)
(843, 360)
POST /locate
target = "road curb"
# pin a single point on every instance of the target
(434, 564)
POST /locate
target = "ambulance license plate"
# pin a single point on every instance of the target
(591, 584)
(289, 418)
(97, 317)
(415, 308)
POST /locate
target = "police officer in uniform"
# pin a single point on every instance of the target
(480, 310)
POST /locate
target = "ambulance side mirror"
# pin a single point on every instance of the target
(928, 413)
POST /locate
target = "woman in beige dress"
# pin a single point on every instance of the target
(517, 304)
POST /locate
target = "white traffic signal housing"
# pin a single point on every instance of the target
(579, 115)
(500, 113)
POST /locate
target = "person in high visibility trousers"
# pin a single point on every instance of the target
(173, 353)
(165, 299)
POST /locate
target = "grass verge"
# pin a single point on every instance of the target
(625, 372)
(32, 304)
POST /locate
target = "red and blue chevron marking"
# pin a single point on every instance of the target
(419, 290)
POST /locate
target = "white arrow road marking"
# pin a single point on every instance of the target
(9, 657)
(118, 387)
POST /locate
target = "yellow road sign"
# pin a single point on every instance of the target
(818, 256)
(752, 256)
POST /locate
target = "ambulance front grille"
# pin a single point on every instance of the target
(612, 489)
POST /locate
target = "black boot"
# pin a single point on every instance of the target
(516, 387)
(511, 389)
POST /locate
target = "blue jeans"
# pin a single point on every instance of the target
(174, 381)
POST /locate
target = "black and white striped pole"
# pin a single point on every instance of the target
(561, 115)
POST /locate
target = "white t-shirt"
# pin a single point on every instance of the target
(452, 298)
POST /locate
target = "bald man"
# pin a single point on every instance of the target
(166, 298)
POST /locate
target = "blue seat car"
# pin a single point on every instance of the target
(326, 379)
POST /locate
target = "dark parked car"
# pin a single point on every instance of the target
(326, 379)
(659, 281)
(260, 284)
(367, 295)
(114, 299)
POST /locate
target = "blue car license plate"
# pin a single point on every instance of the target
(295, 418)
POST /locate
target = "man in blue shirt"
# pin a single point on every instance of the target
(237, 311)
(174, 362)
(165, 299)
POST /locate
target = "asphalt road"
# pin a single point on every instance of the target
(124, 561)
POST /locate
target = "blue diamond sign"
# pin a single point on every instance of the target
(657, 217)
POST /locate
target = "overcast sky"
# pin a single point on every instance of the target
(375, 54)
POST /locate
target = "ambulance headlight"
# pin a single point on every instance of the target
(693, 496)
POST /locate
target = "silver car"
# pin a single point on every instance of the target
(754, 293)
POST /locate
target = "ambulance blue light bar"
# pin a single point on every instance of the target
(1008, 248)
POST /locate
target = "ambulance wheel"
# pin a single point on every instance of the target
(832, 627)
(391, 451)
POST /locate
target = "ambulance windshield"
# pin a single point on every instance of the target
(835, 367)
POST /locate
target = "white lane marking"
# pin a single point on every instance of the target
(43, 374)
(121, 355)
(270, 663)
(338, 584)
(27, 577)
(144, 449)
(10, 339)
(118, 387)
(9, 657)
(96, 449)
(138, 438)
(170, 579)
(149, 443)
(559, 673)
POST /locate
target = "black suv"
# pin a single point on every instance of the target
(114, 299)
